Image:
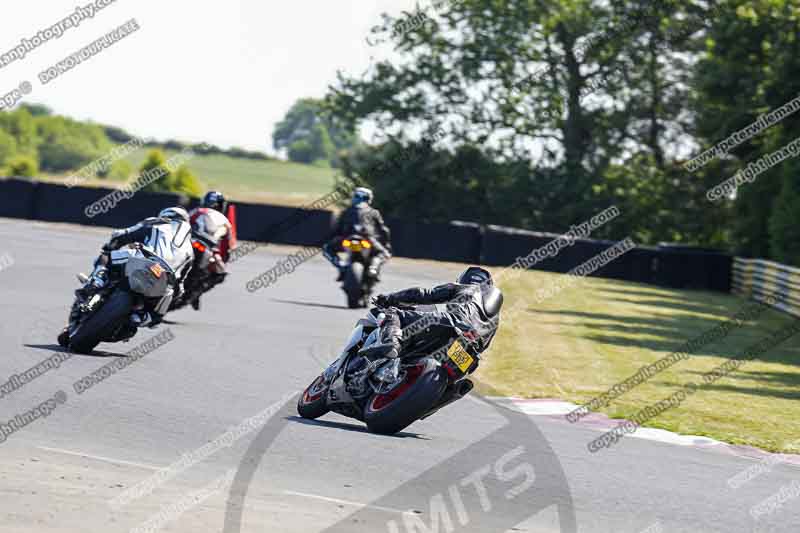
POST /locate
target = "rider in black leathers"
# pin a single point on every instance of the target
(465, 310)
(362, 219)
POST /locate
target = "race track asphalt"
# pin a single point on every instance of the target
(475, 466)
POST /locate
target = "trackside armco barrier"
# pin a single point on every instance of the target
(758, 279)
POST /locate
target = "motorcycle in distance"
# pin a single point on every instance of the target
(114, 312)
(390, 394)
(207, 261)
(357, 282)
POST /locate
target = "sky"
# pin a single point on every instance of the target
(194, 70)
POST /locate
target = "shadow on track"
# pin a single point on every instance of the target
(356, 428)
(61, 349)
(311, 304)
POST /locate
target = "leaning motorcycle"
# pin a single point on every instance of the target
(390, 394)
(357, 282)
(114, 311)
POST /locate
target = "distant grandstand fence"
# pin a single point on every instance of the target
(757, 278)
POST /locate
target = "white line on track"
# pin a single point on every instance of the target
(344, 502)
(100, 458)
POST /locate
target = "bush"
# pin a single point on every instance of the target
(186, 182)
(23, 165)
(182, 180)
(120, 170)
(156, 161)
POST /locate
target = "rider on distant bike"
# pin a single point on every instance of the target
(361, 219)
(470, 306)
(168, 236)
(210, 224)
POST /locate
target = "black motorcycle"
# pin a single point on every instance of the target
(113, 312)
(390, 394)
(357, 282)
(207, 271)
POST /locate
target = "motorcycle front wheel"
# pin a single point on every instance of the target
(311, 403)
(91, 331)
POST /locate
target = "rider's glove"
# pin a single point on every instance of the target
(383, 301)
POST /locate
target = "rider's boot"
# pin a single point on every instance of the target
(388, 344)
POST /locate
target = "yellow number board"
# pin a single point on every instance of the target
(459, 356)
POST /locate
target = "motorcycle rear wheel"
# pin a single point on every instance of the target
(353, 280)
(390, 413)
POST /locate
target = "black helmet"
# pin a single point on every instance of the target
(475, 276)
(214, 200)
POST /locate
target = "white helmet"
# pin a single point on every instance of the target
(362, 195)
(176, 213)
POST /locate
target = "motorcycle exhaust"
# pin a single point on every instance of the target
(451, 394)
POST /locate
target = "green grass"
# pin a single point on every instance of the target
(248, 180)
(591, 336)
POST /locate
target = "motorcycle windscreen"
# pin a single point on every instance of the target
(354, 338)
(147, 277)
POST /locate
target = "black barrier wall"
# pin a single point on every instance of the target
(458, 242)
(669, 266)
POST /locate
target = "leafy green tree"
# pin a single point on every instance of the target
(308, 121)
(184, 181)
(37, 110)
(8, 147)
(155, 164)
(181, 180)
(783, 223)
(21, 125)
(301, 151)
(748, 68)
(581, 84)
(65, 144)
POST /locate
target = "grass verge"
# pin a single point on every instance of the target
(591, 336)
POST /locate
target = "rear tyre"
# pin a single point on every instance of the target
(387, 415)
(311, 403)
(92, 330)
(352, 285)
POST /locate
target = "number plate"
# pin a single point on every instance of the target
(157, 270)
(356, 246)
(459, 356)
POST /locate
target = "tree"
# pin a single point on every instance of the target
(301, 151)
(308, 122)
(65, 144)
(37, 110)
(21, 125)
(8, 147)
(749, 69)
(568, 91)
(184, 181)
(783, 223)
(156, 165)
